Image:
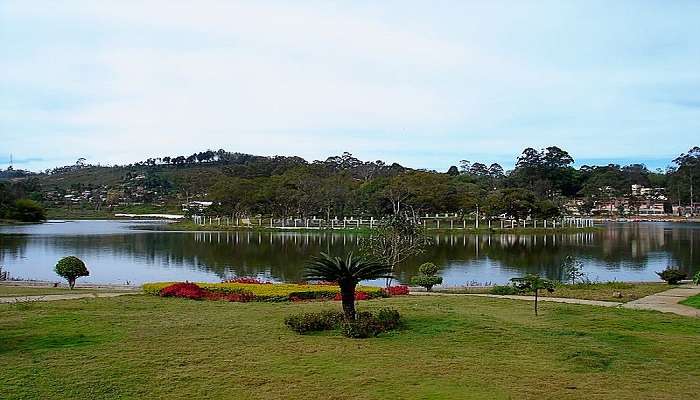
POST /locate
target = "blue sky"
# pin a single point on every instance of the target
(423, 83)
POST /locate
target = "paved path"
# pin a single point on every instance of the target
(529, 298)
(668, 301)
(664, 302)
(54, 297)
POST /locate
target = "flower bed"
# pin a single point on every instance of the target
(231, 291)
(395, 290)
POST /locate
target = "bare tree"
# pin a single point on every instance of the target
(396, 239)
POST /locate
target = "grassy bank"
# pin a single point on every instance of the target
(188, 225)
(90, 213)
(693, 301)
(12, 291)
(607, 291)
(451, 348)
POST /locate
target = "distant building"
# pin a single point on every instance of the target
(195, 206)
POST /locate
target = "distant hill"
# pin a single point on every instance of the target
(11, 174)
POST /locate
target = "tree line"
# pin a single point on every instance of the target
(18, 201)
(539, 185)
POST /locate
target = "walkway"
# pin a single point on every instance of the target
(54, 297)
(528, 298)
(668, 301)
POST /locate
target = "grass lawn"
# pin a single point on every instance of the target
(591, 291)
(12, 291)
(451, 348)
(605, 291)
(693, 301)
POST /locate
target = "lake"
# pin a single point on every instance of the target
(136, 251)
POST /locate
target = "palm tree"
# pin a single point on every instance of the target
(347, 272)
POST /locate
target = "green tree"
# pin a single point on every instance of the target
(427, 276)
(28, 211)
(573, 269)
(688, 169)
(71, 268)
(534, 283)
(347, 272)
(515, 203)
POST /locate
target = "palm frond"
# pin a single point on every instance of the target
(350, 268)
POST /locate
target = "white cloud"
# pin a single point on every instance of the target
(416, 81)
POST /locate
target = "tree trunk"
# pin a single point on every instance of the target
(347, 293)
(71, 283)
(536, 290)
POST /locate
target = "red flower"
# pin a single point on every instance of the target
(358, 296)
(183, 289)
(395, 290)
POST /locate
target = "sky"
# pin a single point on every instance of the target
(422, 83)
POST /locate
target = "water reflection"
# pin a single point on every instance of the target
(116, 252)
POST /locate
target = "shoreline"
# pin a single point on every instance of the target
(118, 286)
(188, 226)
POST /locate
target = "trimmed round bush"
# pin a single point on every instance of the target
(71, 268)
(426, 281)
(427, 276)
(428, 268)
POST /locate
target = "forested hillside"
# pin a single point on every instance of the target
(543, 184)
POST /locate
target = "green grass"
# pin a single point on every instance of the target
(605, 291)
(692, 301)
(10, 291)
(451, 348)
(589, 291)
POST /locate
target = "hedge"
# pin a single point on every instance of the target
(270, 292)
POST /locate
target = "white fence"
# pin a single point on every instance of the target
(439, 221)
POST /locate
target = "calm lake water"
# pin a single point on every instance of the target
(120, 251)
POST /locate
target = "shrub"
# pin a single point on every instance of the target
(427, 276)
(388, 319)
(358, 296)
(366, 324)
(361, 328)
(428, 268)
(183, 289)
(270, 292)
(426, 281)
(27, 210)
(71, 268)
(672, 276)
(503, 290)
(314, 322)
(369, 325)
(696, 278)
(242, 297)
(399, 290)
(248, 280)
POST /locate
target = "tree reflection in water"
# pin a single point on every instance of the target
(621, 252)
